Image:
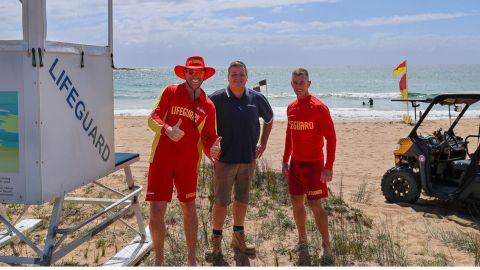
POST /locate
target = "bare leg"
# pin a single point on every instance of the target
(239, 213)
(190, 226)
(157, 229)
(219, 213)
(321, 219)
(300, 216)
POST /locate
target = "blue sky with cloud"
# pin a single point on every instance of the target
(273, 32)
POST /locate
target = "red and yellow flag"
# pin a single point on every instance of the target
(403, 87)
(401, 69)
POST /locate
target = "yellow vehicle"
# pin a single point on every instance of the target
(443, 164)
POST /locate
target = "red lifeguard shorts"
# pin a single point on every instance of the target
(304, 178)
(164, 172)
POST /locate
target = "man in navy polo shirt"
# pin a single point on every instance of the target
(238, 111)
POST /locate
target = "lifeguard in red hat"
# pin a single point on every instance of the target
(183, 120)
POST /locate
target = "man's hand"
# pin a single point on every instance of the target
(285, 168)
(216, 150)
(175, 133)
(326, 176)
(260, 150)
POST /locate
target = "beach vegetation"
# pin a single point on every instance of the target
(460, 240)
(270, 227)
(356, 239)
(363, 194)
(69, 262)
(439, 259)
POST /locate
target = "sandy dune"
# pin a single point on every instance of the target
(364, 153)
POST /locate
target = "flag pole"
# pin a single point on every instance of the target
(406, 86)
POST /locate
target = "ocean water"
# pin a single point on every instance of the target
(341, 88)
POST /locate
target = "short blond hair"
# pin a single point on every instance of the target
(300, 71)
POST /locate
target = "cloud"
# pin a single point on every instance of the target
(202, 8)
(294, 42)
(225, 37)
(277, 10)
(11, 16)
(249, 24)
(391, 20)
(208, 25)
(289, 26)
(143, 21)
(227, 31)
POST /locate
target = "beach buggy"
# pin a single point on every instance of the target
(443, 164)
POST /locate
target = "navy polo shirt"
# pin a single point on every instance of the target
(238, 123)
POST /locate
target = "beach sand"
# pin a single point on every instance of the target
(364, 154)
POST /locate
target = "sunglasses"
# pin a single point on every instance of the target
(192, 72)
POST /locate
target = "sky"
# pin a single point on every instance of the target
(162, 33)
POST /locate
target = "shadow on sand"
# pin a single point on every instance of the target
(304, 258)
(218, 260)
(241, 259)
(463, 214)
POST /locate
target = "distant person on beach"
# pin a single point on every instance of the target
(309, 122)
(182, 116)
(238, 112)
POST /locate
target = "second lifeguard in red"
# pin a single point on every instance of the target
(309, 124)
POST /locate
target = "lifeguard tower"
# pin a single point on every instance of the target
(57, 135)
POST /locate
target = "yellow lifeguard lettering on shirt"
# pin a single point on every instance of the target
(176, 110)
(314, 192)
(300, 125)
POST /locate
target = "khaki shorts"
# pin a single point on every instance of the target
(237, 176)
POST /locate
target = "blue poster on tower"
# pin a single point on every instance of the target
(9, 132)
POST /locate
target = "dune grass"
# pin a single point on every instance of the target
(355, 238)
(460, 240)
(271, 229)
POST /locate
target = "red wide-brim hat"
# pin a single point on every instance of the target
(194, 62)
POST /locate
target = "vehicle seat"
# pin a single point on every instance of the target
(461, 164)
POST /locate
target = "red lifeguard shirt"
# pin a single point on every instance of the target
(173, 104)
(309, 122)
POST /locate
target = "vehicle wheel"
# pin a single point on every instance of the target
(399, 185)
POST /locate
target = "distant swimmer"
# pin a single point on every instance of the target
(370, 102)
